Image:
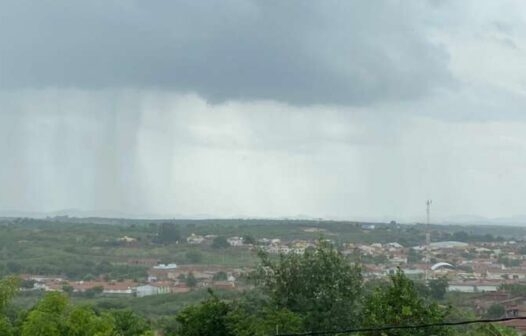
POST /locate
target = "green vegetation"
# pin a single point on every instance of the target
(514, 289)
(300, 283)
(438, 288)
(220, 243)
(317, 290)
(321, 291)
(496, 311)
(169, 233)
(53, 315)
(399, 303)
(84, 248)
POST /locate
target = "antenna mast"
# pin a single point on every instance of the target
(428, 221)
(428, 236)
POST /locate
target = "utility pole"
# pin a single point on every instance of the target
(428, 221)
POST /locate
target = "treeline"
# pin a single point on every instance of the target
(320, 290)
(74, 267)
(463, 236)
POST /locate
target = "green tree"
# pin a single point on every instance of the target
(82, 321)
(491, 330)
(462, 236)
(46, 319)
(413, 256)
(53, 303)
(266, 321)
(220, 242)
(320, 285)
(514, 289)
(206, 318)
(194, 256)
(496, 311)
(14, 267)
(68, 289)
(8, 289)
(249, 240)
(169, 233)
(438, 287)
(127, 323)
(28, 284)
(40, 323)
(6, 329)
(190, 280)
(220, 276)
(94, 291)
(398, 303)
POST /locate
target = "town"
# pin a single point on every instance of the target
(156, 268)
(469, 267)
(487, 270)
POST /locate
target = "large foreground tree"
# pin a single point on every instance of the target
(321, 285)
(399, 303)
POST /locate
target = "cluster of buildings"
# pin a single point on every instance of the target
(270, 245)
(162, 279)
(470, 267)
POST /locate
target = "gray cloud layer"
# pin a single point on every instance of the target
(300, 52)
(264, 108)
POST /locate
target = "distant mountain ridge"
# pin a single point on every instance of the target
(518, 220)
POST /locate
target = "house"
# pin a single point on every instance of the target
(398, 259)
(152, 289)
(180, 288)
(474, 286)
(509, 273)
(162, 272)
(195, 239)
(235, 241)
(143, 261)
(109, 288)
(448, 245)
(224, 285)
(394, 245)
(121, 288)
(165, 266)
(126, 239)
(263, 241)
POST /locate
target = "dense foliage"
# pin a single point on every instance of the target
(399, 303)
(320, 285)
(55, 316)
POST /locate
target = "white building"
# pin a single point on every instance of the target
(235, 241)
(473, 287)
(165, 266)
(195, 239)
(147, 290)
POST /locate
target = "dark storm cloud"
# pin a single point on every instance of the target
(299, 52)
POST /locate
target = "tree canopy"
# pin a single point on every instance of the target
(398, 303)
(321, 285)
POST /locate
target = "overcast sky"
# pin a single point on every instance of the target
(334, 109)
